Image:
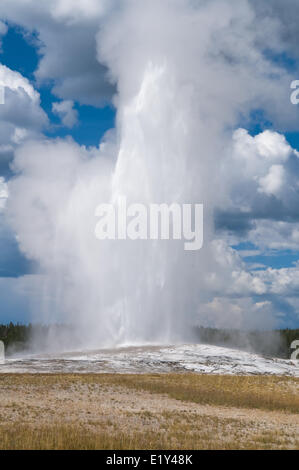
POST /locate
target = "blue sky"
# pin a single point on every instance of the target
(58, 58)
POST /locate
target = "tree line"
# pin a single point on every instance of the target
(277, 343)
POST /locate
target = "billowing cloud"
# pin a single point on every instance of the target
(3, 31)
(285, 14)
(243, 313)
(21, 115)
(263, 191)
(273, 182)
(67, 113)
(67, 46)
(3, 193)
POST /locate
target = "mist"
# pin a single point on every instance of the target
(187, 74)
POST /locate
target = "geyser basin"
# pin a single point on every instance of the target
(155, 359)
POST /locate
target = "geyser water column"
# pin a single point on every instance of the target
(158, 278)
(170, 140)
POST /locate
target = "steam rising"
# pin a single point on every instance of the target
(187, 72)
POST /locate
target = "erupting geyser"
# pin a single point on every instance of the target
(181, 80)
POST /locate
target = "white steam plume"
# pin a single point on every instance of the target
(186, 73)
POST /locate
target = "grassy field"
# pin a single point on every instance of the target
(173, 411)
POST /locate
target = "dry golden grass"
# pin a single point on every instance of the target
(175, 433)
(261, 392)
(174, 411)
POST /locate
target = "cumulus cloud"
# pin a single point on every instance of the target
(3, 31)
(66, 42)
(272, 183)
(21, 118)
(263, 188)
(67, 113)
(285, 14)
(21, 115)
(244, 313)
(3, 193)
